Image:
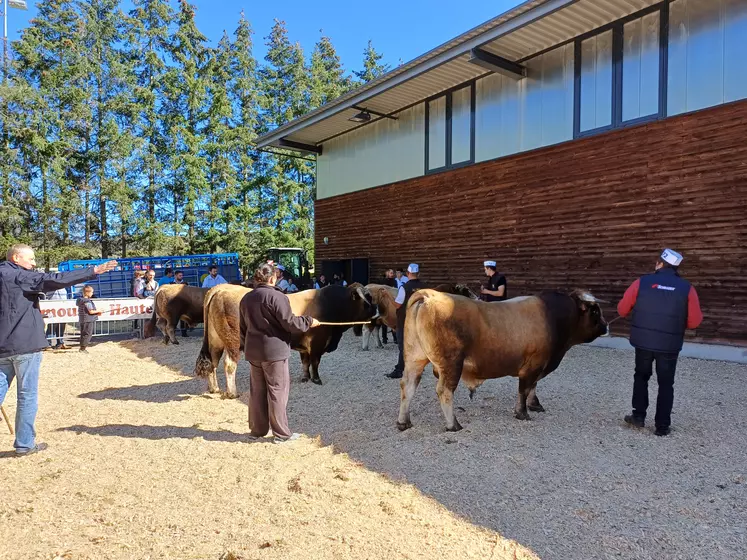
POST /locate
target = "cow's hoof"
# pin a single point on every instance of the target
(536, 407)
(364, 349)
(455, 428)
(305, 379)
(521, 416)
(402, 426)
(214, 391)
(316, 381)
(227, 395)
(175, 341)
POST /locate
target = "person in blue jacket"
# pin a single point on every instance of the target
(22, 337)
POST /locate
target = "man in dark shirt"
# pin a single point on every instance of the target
(391, 281)
(22, 333)
(496, 289)
(269, 322)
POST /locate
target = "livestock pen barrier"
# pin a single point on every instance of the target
(120, 316)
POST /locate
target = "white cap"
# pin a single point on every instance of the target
(671, 257)
(281, 267)
(413, 268)
(489, 263)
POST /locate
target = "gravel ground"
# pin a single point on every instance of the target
(137, 448)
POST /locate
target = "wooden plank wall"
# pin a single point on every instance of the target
(592, 213)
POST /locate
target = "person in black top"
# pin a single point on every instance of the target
(496, 289)
(406, 290)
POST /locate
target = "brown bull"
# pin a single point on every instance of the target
(384, 297)
(473, 341)
(224, 332)
(172, 303)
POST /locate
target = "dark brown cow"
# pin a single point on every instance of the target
(524, 337)
(224, 332)
(172, 303)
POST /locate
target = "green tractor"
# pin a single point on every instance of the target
(295, 262)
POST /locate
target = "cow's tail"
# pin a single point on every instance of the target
(204, 364)
(150, 325)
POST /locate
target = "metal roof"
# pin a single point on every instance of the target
(528, 29)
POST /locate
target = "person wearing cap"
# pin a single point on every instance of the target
(406, 289)
(496, 290)
(664, 305)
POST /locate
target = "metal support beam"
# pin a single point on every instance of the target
(497, 64)
(383, 115)
(283, 143)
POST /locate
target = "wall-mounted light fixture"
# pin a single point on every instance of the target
(363, 116)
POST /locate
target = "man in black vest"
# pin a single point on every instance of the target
(403, 296)
(664, 306)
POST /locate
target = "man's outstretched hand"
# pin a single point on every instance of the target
(106, 267)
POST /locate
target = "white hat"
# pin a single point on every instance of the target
(671, 257)
(413, 268)
(281, 267)
(489, 263)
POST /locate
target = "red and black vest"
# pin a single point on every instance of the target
(660, 312)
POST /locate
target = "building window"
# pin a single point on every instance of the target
(450, 129)
(620, 74)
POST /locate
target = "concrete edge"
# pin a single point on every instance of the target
(717, 352)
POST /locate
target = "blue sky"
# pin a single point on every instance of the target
(401, 29)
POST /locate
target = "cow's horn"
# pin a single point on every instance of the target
(586, 296)
(360, 293)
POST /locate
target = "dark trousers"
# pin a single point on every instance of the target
(383, 333)
(269, 386)
(666, 364)
(86, 332)
(183, 326)
(400, 367)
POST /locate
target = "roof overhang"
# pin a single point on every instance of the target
(499, 45)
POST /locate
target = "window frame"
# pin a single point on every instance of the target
(617, 28)
(448, 144)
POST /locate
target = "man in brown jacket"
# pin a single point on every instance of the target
(269, 323)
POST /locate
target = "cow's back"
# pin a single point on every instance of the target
(494, 339)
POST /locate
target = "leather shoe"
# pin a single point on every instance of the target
(636, 421)
(394, 375)
(661, 431)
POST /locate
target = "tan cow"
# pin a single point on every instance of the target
(383, 297)
(469, 340)
(224, 332)
(172, 303)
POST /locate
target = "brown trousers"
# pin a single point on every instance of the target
(269, 386)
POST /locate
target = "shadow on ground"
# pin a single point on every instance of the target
(156, 432)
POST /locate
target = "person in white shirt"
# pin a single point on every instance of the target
(282, 284)
(213, 279)
(401, 278)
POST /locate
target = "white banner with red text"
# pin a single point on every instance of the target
(120, 309)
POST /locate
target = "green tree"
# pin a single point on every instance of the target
(243, 89)
(109, 143)
(149, 39)
(372, 66)
(326, 75)
(184, 116)
(50, 58)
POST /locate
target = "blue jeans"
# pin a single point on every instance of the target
(26, 368)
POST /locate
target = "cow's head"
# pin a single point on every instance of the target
(591, 323)
(363, 306)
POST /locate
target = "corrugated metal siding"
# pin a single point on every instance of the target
(592, 213)
(384, 152)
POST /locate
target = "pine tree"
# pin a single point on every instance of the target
(185, 113)
(51, 59)
(110, 80)
(219, 147)
(149, 33)
(372, 67)
(242, 216)
(326, 75)
(285, 187)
